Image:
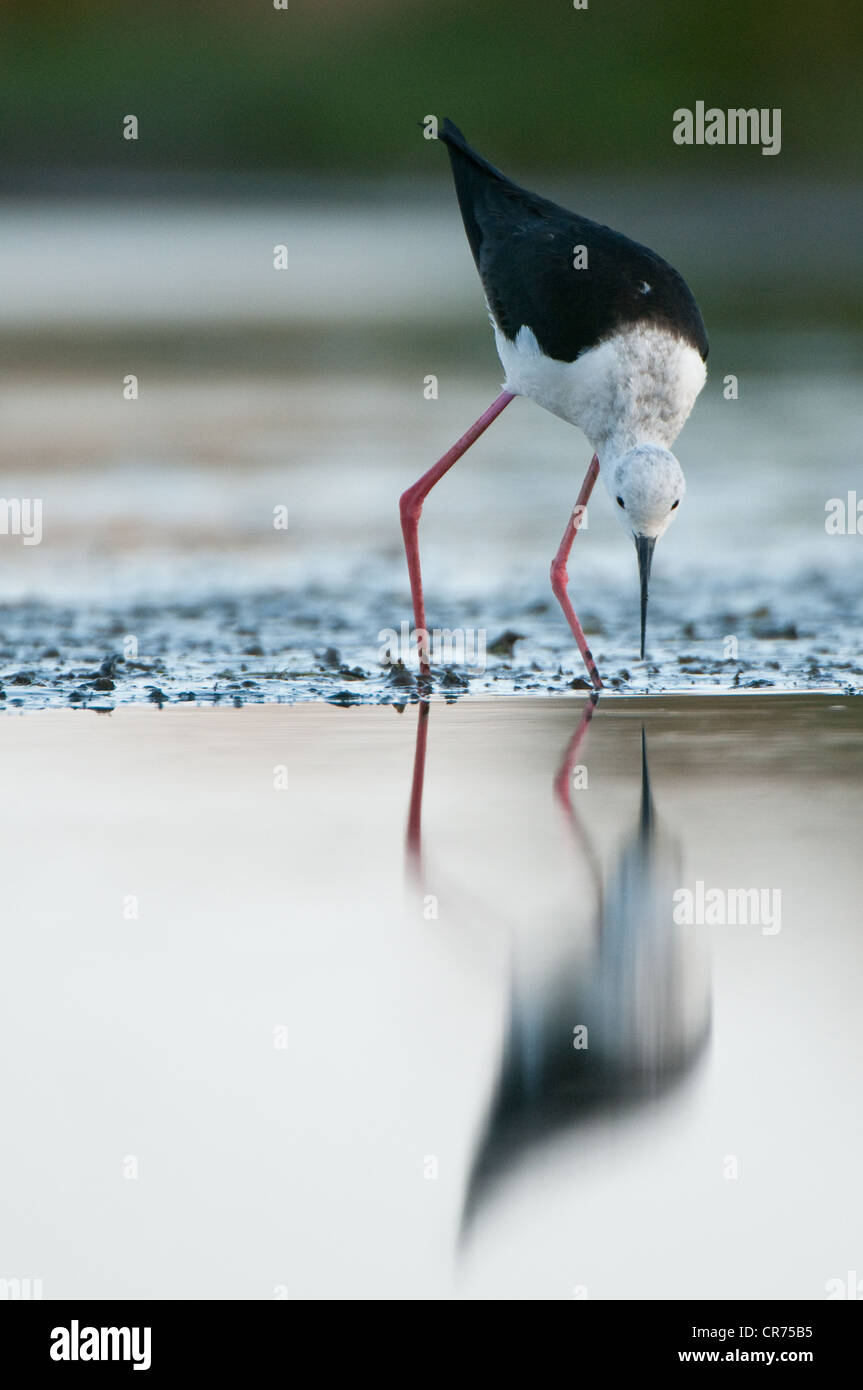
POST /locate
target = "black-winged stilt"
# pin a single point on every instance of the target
(598, 330)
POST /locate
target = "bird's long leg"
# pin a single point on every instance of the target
(560, 577)
(411, 506)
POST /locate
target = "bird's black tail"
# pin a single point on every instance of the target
(472, 174)
(452, 136)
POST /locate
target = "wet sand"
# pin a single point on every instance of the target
(254, 1048)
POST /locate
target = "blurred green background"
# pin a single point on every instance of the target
(332, 85)
(259, 125)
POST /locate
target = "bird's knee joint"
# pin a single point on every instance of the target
(410, 508)
(559, 578)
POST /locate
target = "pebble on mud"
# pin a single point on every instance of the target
(504, 644)
(772, 632)
(399, 674)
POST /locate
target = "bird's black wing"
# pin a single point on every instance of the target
(525, 249)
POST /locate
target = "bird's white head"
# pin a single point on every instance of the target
(647, 485)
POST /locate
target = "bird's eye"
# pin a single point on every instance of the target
(620, 502)
(675, 504)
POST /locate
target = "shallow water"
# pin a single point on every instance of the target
(159, 554)
(307, 391)
(275, 1025)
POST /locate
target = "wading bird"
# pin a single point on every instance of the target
(598, 330)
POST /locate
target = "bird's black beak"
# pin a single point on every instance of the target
(644, 546)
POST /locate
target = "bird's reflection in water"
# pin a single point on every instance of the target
(594, 1024)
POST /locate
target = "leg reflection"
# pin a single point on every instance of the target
(413, 838)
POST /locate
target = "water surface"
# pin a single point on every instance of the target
(332, 1023)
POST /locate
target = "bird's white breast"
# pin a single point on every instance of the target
(636, 387)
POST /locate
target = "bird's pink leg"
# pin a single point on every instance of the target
(560, 577)
(411, 506)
